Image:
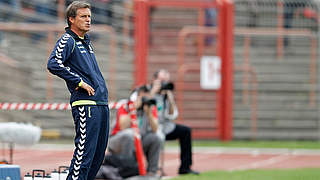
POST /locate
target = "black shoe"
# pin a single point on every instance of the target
(189, 171)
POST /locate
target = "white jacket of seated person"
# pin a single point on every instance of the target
(166, 120)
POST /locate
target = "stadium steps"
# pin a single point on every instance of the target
(283, 84)
(197, 111)
(32, 59)
(283, 96)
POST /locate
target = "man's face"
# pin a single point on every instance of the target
(82, 21)
(164, 76)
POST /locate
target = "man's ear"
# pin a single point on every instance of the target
(71, 19)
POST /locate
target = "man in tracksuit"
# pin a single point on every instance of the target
(73, 60)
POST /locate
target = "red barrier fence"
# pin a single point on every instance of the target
(47, 106)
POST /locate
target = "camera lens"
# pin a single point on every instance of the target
(167, 86)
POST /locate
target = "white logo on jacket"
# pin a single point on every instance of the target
(91, 50)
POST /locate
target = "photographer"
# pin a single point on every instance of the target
(147, 120)
(162, 91)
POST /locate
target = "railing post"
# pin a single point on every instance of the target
(226, 53)
(50, 93)
(280, 28)
(180, 80)
(61, 7)
(126, 24)
(246, 63)
(141, 37)
(200, 37)
(313, 72)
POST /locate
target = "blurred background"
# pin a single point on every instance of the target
(275, 62)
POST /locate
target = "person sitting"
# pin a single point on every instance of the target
(162, 91)
(122, 137)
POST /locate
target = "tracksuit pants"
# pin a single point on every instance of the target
(92, 130)
(183, 133)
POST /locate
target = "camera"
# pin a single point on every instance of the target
(148, 101)
(167, 86)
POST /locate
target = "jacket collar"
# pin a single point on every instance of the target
(75, 36)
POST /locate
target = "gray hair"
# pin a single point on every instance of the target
(73, 7)
(156, 74)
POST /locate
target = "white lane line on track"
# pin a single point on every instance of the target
(176, 161)
(262, 163)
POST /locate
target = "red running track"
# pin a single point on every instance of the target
(204, 159)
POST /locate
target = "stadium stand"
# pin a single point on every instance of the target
(287, 105)
(284, 85)
(28, 81)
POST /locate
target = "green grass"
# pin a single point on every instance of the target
(235, 144)
(254, 144)
(293, 174)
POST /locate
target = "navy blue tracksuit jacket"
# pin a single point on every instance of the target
(73, 60)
